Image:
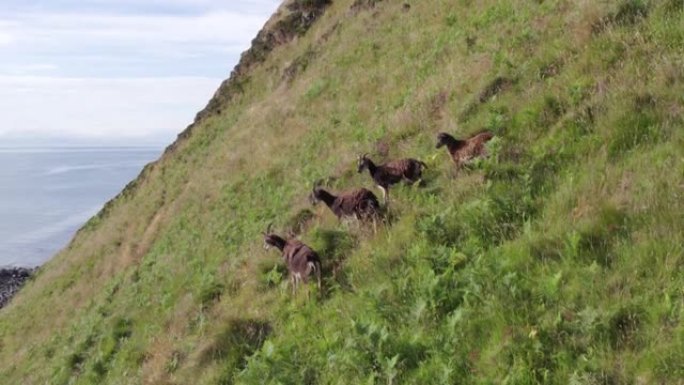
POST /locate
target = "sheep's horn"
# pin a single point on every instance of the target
(268, 228)
(318, 183)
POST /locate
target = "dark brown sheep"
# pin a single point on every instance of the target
(361, 203)
(385, 175)
(300, 259)
(462, 151)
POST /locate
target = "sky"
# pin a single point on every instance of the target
(116, 71)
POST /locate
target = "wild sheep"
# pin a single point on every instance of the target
(300, 259)
(385, 175)
(361, 203)
(462, 151)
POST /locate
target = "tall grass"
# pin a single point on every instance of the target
(557, 259)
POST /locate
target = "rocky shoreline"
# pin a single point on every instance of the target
(11, 280)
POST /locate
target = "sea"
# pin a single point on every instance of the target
(48, 193)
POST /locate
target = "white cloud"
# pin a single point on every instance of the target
(112, 68)
(70, 36)
(30, 69)
(138, 6)
(80, 28)
(5, 39)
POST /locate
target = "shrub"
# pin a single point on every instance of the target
(333, 246)
(632, 130)
(238, 339)
(624, 326)
(210, 291)
(595, 240)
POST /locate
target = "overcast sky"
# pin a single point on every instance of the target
(125, 71)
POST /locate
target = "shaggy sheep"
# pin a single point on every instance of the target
(361, 203)
(385, 175)
(462, 151)
(300, 259)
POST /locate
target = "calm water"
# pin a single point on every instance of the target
(47, 194)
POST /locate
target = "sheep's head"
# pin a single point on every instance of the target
(270, 239)
(362, 163)
(442, 139)
(316, 193)
(315, 196)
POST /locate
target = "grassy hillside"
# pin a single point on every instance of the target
(557, 260)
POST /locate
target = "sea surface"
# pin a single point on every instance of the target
(47, 194)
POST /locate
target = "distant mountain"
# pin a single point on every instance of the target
(62, 141)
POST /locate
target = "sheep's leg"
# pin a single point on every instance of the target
(455, 171)
(316, 268)
(355, 222)
(308, 291)
(318, 275)
(346, 222)
(384, 194)
(293, 283)
(413, 182)
(417, 180)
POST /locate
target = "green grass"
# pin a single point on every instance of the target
(558, 259)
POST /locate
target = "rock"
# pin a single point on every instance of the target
(11, 280)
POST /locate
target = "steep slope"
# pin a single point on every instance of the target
(559, 259)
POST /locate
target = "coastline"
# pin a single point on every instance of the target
(11, 281)
(67, 186)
